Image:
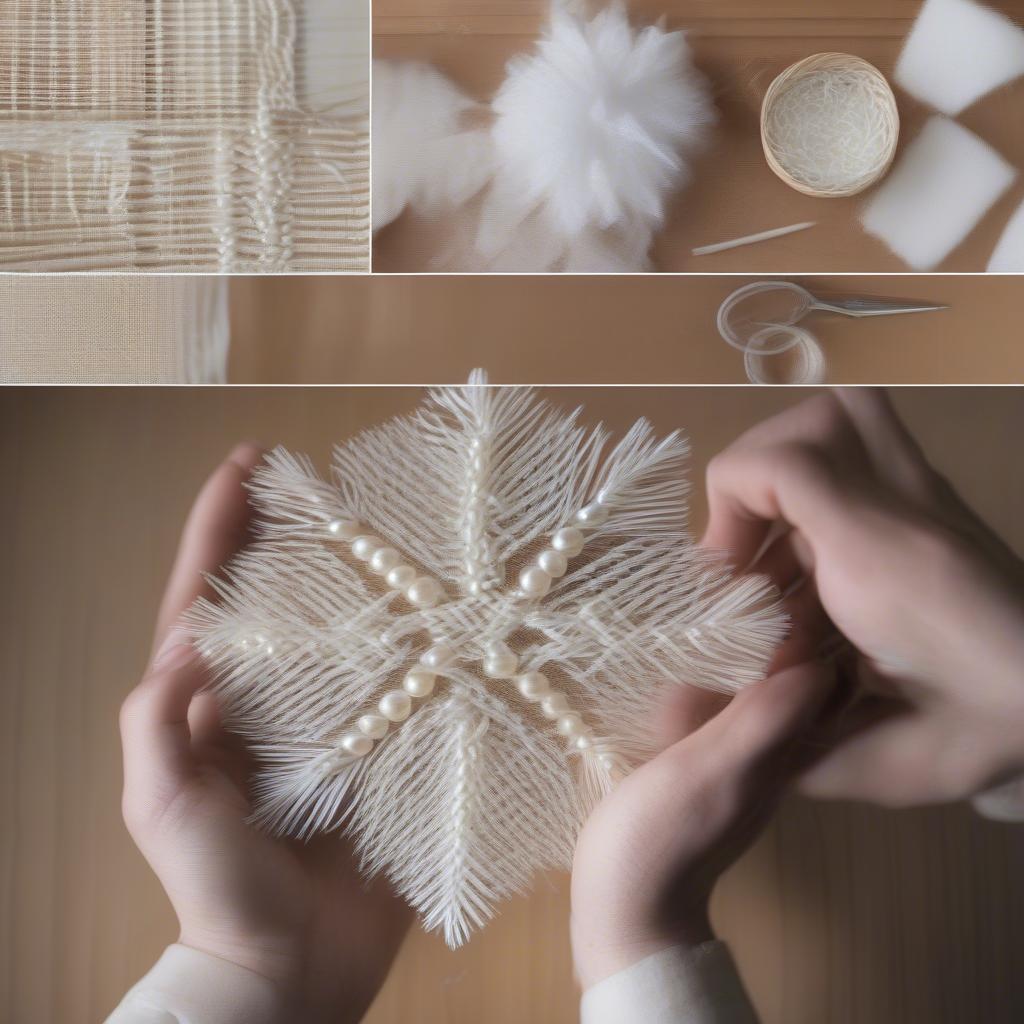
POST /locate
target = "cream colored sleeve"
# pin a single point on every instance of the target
(189, 987)
(1004, 803)
(675, 986)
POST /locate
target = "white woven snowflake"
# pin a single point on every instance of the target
(457, 647)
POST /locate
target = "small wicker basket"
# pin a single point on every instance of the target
(879, 104)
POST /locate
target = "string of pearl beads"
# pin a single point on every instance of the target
(397, 705)
(420, 591)
(552, 563)
(536, 687)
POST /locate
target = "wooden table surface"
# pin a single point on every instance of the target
(741, 45)
(595, 330)
(840, 915)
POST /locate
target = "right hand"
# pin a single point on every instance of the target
(873, 543)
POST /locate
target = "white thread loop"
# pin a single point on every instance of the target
(810, 368)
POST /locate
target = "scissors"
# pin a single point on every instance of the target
(782, 304)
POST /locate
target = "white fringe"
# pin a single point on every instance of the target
(460, 804)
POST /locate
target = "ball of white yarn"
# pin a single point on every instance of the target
(596, 122)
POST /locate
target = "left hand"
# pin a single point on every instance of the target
(651, 852)
(296, 913)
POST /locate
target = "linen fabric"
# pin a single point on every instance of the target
(113, 330)
(178, 135)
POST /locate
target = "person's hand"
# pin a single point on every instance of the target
(835, 501)
(298, 914)
(649, 855)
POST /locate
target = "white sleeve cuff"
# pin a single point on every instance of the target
(187, 986)
(1004, 803)
(675, 986)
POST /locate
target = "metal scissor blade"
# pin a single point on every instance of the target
(862, 307)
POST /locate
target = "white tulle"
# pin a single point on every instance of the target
(589, 137)
(425, 152)
(518, 711)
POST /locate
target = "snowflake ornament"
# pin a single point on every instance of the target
(454, 650)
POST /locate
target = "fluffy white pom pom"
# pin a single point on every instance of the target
(423, 156)
(596, 122)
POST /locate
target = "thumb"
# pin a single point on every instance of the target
(768, 731)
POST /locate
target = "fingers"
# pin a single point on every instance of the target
(810, 628)
(785, 561)
(216, 528)
(750, 489)
(155, 736)
(762, 724)
(790, 467)
(896, 456)
(754, 742)
(686, 710)
(892, 763)
(155, 733)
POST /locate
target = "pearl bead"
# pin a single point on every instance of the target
(401, 577)
(592, 515)
(534, 582)
(501, 666)
(356, 743)
(439, 657)
(364, 547)
(607, 761)
(424, 592)
(570, 725)
(500, 661)
(554, 563)
(568, 540)
(384, 560)
(419, 683)
(344, 529)
(374, 726)
(584, 742)
(533, 685)
(395, 706)
(554, 705)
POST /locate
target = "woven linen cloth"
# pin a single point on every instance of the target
(181, 135)
(85, 329)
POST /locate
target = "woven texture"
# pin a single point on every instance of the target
(177, 135)
(113, 330)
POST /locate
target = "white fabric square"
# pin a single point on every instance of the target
(957, 52)
(1009, 255)
(943, 185)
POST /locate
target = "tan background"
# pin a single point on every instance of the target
(740, 45)
(636, 330)
(841, 915)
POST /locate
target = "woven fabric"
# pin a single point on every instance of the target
(113, 330)
(178, 135)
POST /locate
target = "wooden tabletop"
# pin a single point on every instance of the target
(741, 45)
(840, 915)
(602, 330)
